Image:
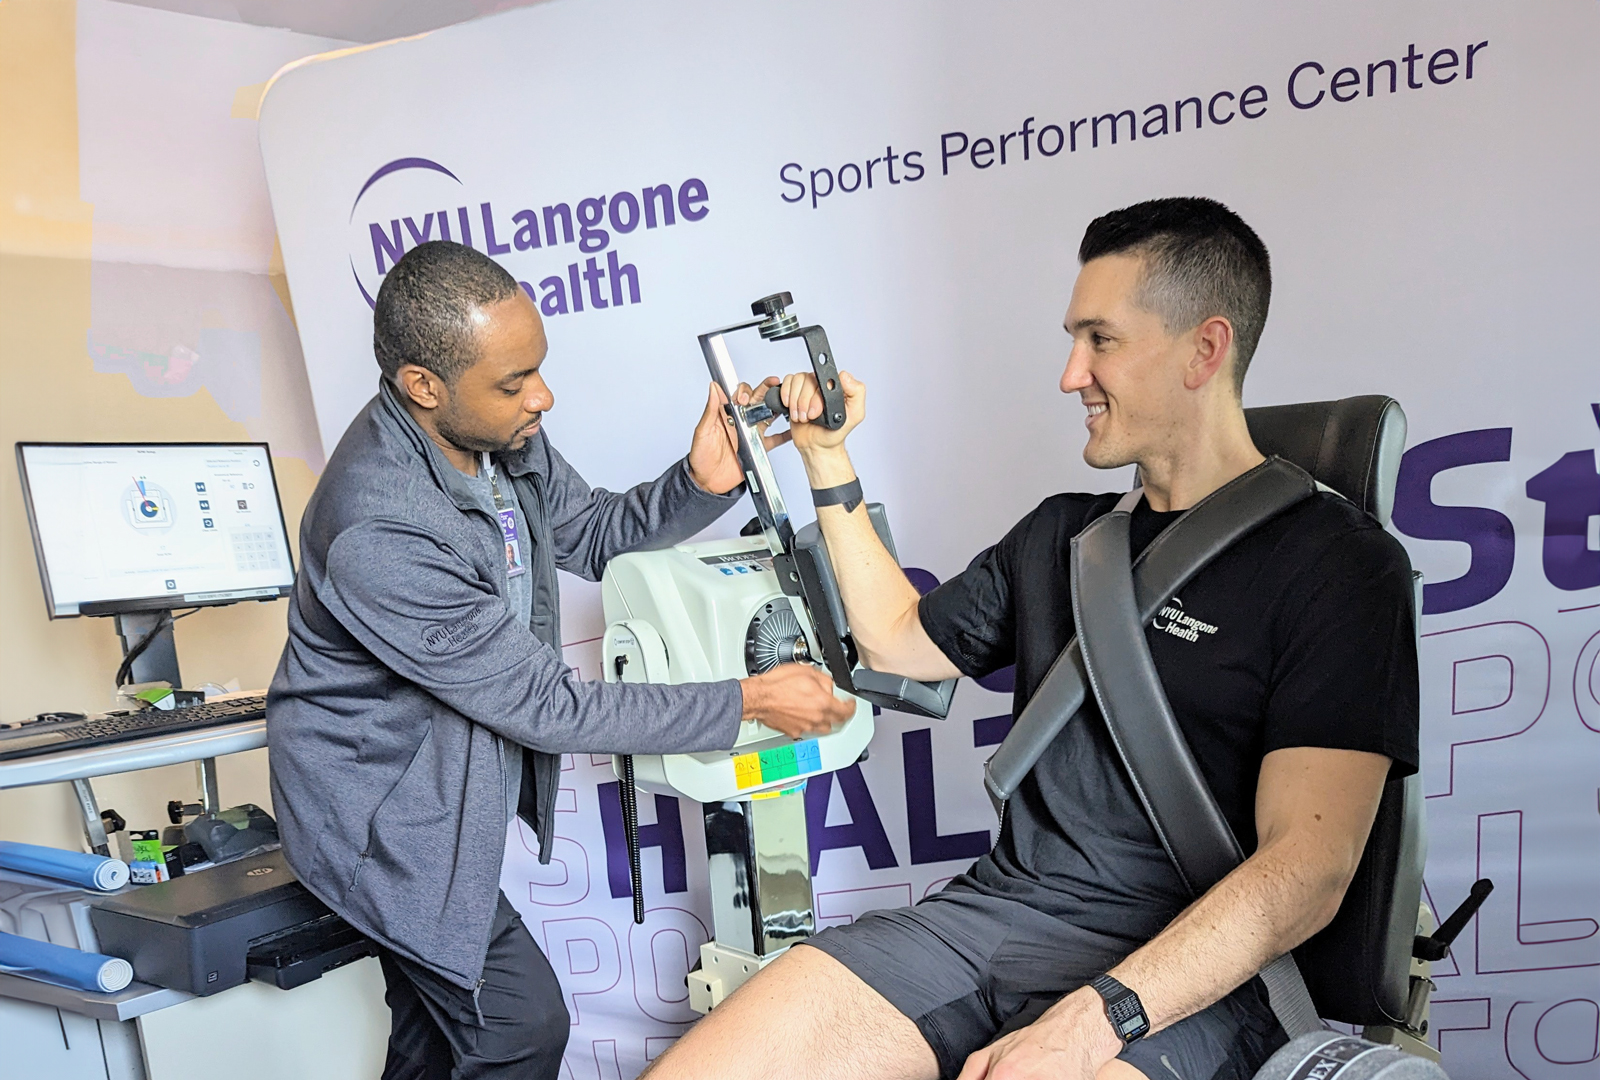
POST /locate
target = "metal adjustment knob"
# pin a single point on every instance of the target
(778, 322)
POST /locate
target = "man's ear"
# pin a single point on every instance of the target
(1213, 345)
(421, 386)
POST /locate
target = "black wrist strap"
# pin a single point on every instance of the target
(846, 495)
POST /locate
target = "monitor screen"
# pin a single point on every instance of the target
(144, 526)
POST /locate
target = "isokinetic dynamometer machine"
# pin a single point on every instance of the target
(730, 609)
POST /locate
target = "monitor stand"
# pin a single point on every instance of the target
(159, 662)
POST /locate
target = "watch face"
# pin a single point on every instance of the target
(1128, 1018)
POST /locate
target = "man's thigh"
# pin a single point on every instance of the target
(805, 1015)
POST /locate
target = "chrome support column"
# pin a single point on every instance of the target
(760, 863)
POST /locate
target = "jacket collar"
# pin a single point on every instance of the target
(395, 418)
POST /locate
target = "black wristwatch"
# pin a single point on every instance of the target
(1123, 1008)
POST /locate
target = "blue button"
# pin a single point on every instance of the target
(743, 569)
(725, 570)
(808, 756)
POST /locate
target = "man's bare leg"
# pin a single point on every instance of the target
(805, 1016)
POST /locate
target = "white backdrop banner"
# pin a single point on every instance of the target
(918, 175)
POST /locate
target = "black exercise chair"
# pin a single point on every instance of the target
(1370, 965)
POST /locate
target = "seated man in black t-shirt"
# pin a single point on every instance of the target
(1290, 665)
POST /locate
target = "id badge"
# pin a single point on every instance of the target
(508, 529)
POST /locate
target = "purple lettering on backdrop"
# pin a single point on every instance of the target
(594, 275)
(692, 196)
(490, 245)
(865, 830)
(620, 270)
(1570, 491)
(666, 834)
(991, 730)
(1488, 533)
(922, 821)
(386, 244)
(423, 235)
(555, 298)
(577, 290)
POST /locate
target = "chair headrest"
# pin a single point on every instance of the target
(1352, 445)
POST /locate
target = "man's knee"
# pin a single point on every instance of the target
(525, 1020)
(538, 1035)
(806, 1014)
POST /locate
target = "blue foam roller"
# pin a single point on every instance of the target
(57, 964)
(84, 871)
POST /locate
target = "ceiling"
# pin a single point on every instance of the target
(348, 20)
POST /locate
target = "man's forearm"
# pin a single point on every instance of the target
(1272, 902)
(878, 599)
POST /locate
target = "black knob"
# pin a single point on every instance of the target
(771, 305)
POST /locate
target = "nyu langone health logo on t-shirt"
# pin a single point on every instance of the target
(412, 200)
(1173, 620)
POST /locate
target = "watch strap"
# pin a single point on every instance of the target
(846, 495)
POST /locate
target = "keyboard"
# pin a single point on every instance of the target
(54, 736)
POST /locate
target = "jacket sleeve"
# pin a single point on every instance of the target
(592, 525)
(423, 611)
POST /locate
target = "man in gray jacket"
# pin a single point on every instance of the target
(422, 699)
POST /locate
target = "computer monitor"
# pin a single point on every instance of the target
(122, 528)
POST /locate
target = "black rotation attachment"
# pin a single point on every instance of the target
(779, 322)
(780, 325)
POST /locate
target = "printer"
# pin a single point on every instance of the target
(216, 928)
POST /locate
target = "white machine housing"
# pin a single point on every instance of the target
(685, 615)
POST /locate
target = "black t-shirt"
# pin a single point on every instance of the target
(1300, 634)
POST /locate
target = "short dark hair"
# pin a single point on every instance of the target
(424, 310)
(1200, 260)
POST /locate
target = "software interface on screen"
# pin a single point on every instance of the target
(190, 524)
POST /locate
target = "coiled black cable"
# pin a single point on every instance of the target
(630, 829)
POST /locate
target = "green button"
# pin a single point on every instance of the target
(778, 764)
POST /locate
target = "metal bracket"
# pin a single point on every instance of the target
(94, 827)
(206, 773)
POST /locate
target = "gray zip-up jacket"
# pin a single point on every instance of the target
(404, 671)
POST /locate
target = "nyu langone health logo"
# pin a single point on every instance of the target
(1175, 621)
(412, 200)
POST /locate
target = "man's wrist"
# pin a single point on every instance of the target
(700, 482)
(750, 698)
(1085, 1013)
(827, 467)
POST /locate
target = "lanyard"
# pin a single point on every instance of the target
(508, 523)
(494, 483)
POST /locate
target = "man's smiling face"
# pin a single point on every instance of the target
(1124, 365)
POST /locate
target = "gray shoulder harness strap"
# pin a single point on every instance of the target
(1127, 687)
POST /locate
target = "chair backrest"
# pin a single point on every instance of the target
(1358, 967)
(1353, 445)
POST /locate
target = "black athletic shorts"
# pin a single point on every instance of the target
(968, 967)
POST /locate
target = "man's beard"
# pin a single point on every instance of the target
(462, 439)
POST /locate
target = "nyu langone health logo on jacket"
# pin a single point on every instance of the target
(1173, 620)
(411, 200)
